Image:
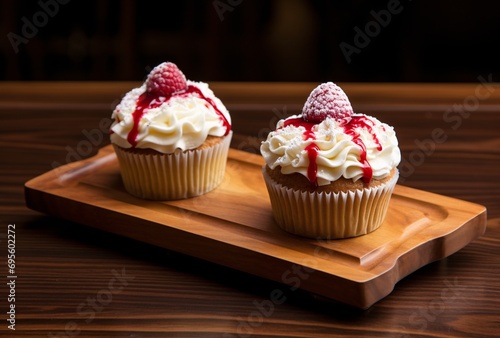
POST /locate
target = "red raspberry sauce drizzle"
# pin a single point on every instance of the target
(145, 101)
(312, 149)
(148, 101)
(350, 129)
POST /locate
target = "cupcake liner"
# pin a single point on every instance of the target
(329, 215)
(178, 175)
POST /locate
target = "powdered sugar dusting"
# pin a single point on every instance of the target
(166, 79)
(327, 100)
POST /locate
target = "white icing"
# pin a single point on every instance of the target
(182, 122)
(338, 154)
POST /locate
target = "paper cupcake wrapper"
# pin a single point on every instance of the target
(329, 215)
(179, 175)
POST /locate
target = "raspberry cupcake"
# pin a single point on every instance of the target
(329, 172)
(171, 137)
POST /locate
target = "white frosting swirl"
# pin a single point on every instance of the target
(338, 154)
(182, 122)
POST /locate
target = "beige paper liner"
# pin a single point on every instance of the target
(179, 175)
(329, 215)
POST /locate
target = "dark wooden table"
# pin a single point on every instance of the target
(74, 280)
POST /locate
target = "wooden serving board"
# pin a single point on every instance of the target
(233, 226)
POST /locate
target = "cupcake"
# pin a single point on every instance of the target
(329, 172)
(171, 137)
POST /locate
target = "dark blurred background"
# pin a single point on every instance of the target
(251, 40)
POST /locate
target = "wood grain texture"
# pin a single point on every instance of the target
(68, 284)
(420, 227)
